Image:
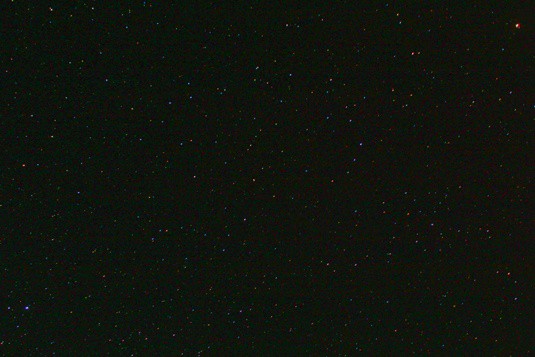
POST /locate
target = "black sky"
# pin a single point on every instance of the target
(266, 178)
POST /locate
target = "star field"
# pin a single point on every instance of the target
(258, 178)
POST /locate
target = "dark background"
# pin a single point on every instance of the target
(266, 178)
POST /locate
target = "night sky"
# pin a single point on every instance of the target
(266, 178)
